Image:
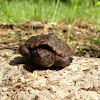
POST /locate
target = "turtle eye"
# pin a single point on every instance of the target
(70, 58)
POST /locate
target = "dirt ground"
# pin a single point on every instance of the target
(20, 80)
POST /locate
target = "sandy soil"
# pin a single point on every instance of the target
(21, 81)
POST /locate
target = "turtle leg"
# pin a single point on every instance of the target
(63, 61)
(24, 51)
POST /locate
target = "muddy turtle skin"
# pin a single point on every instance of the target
(47, 50)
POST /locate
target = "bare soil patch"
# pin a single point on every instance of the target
(22, 81)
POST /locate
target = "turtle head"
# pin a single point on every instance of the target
(63, 61)
(24, 51)
(67, 60)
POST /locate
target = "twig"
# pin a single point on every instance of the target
(13, 93)
(21, 84)
(82, 77)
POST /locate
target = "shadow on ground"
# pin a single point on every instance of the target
(29, 66)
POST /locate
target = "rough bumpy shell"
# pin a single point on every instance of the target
(56, 44)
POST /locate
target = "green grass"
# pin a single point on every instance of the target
(17, 11)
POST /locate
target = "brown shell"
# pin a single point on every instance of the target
(57, 45)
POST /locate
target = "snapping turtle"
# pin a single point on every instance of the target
(47, 50)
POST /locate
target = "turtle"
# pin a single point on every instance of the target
(47, 50)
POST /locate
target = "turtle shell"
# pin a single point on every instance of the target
(51, 40)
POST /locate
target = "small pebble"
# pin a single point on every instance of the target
(4, 89)
(61, 74)
(95, 64)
